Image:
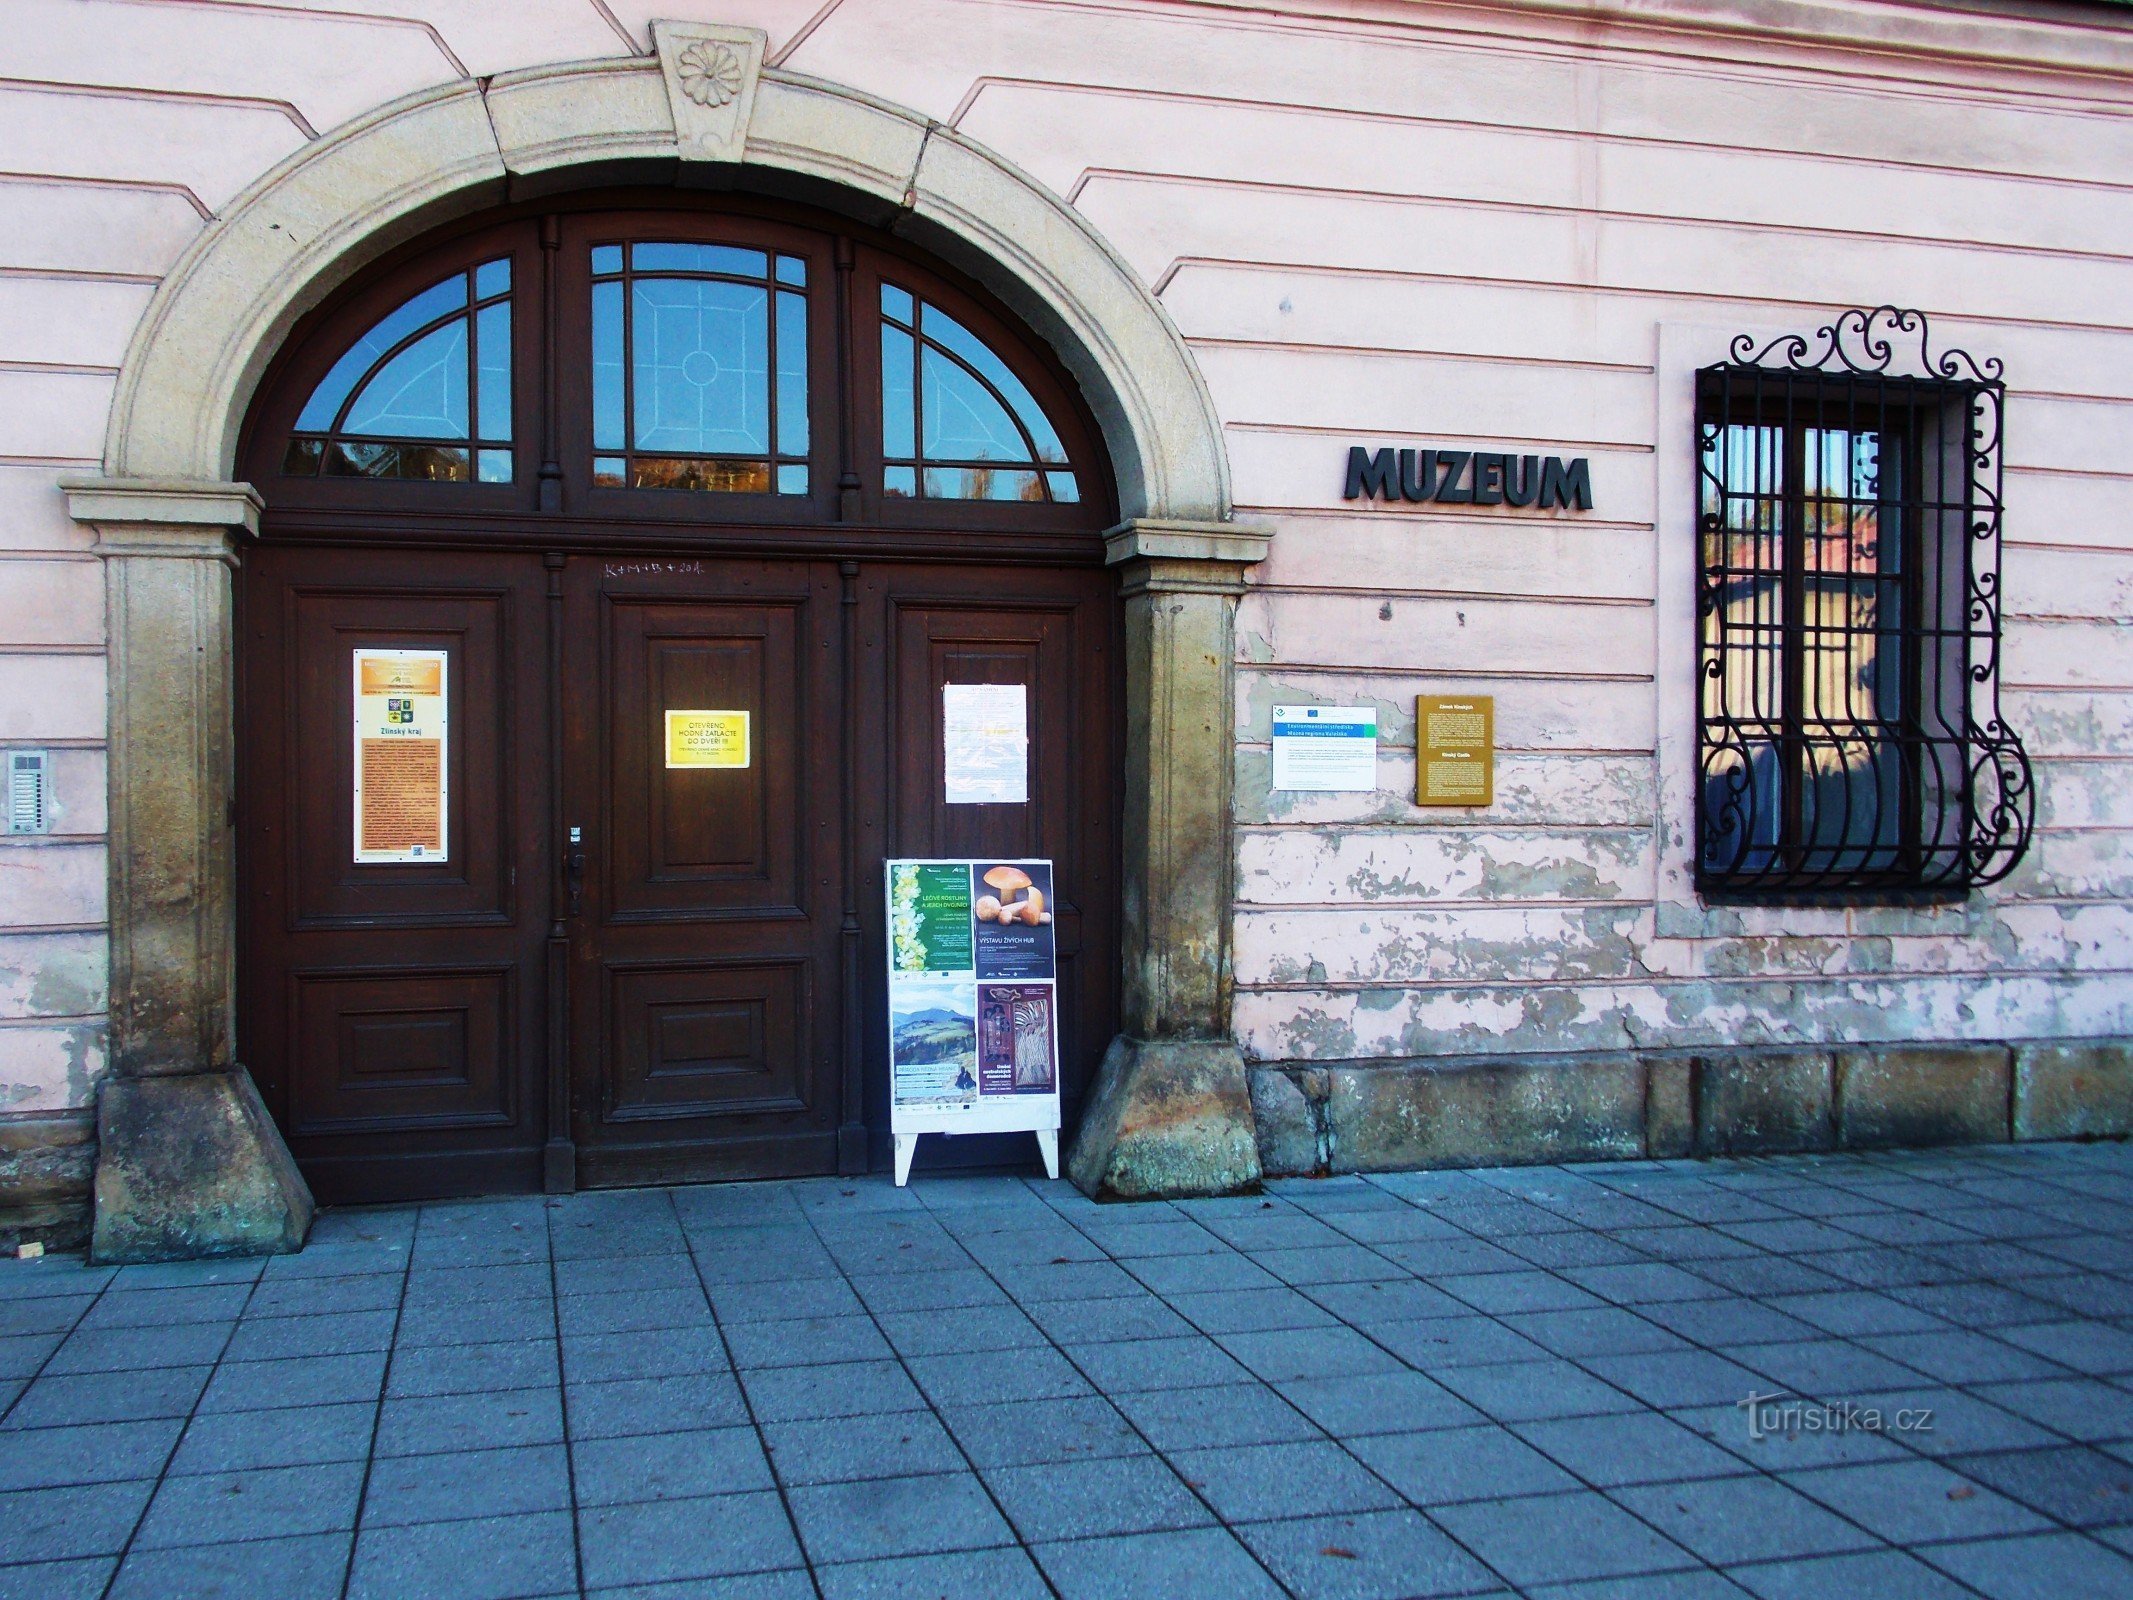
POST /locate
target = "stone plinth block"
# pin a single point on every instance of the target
(190, 1165)
(1922, 1095)
(1289, 1108)
(1168, 1118)
(1669, 1107)
(1761, 1101)
(1510, 1113)
(2081, 1089)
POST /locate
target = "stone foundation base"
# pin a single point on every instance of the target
(1622, 1105)
(193, 1166)
(1167, 1118)
(47, 1167)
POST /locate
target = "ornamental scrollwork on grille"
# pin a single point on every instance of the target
(1850, 735)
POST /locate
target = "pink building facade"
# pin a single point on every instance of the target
(1256, 238)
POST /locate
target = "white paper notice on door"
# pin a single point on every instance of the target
(985, 743)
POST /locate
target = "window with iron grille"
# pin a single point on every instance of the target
(1849, 736)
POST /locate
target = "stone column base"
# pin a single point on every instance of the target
(1168, 1118)
(190, 1166)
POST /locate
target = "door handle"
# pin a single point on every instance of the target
(574, 870)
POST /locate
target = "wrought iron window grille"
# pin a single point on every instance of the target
(1849, 733)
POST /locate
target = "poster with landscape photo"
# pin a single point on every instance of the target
(933, 1040)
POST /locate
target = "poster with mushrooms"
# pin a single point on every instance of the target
(973, 1003)
(1014, 919)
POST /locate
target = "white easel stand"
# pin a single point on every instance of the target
(1047, 1146)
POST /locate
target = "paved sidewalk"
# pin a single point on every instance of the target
(1518, 1381)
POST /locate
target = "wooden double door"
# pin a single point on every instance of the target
(623, 970)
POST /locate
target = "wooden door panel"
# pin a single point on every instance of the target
(386, 1050)
(692, 842)
(471, 883)
(704, 1023)
(393, 1014)
(1053, 632)
(709, 1040)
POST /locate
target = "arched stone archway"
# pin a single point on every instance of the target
(188, 1161)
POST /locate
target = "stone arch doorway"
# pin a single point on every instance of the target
(188, 1161)
(590, 462)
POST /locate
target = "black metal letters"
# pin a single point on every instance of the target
(1445, 476)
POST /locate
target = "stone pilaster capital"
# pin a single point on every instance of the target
(1163, 555)
(176, 519)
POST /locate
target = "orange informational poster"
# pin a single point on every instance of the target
(401, 772)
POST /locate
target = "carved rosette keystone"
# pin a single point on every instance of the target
(711, 74)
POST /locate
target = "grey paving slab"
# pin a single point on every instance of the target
(66, 1399)
(488, 1558)
(78, 1520)
(1728, 1520)
(1001, 1327)
(1450, 1465)
(973, 1377)
(1528, 1391)
(1024, 1432)
(1108, 1320)
(1375, 1555)
(22, 1354)
(848, 1389)
(1094, 1498)
(82, 1579)
(1123, 1366)
(1352, 1404)
(1188, 1564)
(654, 1405)
(292, 1436)
(261, 1503)
(1913, 1502)
(996, 1574)
(2073, 1484)
(677, 1352)
(433, 1424)
(1234, 1414)
(1635, 1447)
(895, 1444)
(137, 1349)
(1284, 1353)
(679, 1541)
(669, 1466)
(466, 1484)
(442, 1369)
(875, 1517)
(296, 1568)
(1543, 1539)
(2044, 1566)
(1867, 1575)
(103, 1452)
(1252, 1483)
(1223, 1311)
(808, 1341)
(297, 1381)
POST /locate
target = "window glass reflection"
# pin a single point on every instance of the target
(956, 422)
(699, 369)
(424, 393)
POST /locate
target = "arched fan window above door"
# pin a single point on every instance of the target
(956, 423)
(424, 394)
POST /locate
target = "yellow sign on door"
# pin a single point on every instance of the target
(707, 739)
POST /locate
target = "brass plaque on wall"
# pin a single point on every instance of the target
(1455, 750)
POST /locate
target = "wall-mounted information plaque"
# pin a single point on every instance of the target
(1455, 750)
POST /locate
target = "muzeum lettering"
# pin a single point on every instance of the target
(1469, 477)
